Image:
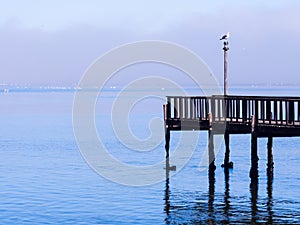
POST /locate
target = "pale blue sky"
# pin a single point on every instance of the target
(55, 14)
(53, 42)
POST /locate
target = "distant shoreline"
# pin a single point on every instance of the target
(233, 89)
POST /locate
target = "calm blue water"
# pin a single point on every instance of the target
(44, 179)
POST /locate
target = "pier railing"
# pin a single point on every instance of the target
(235, 109)
(260, 116)
(188, 107)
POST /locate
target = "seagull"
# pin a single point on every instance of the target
(226, 36)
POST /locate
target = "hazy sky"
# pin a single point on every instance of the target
(52, 42)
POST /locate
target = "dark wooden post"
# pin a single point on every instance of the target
(226, 159)
(167, 130)
(291, 111)
(254, 168)
(211, 154)
(254, 156)
(269, 111)
(226, 48)
(255, 112)
(270, 164)
(176, 107)
(244, 110)
(226, 163)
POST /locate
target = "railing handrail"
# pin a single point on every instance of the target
(233, 108)
(239, 97)
(256, 97)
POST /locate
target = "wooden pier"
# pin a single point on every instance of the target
(259, 116)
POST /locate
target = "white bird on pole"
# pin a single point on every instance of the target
(226, 36)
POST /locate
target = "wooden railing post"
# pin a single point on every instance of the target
(175, 107)
(191, 100)
(168, 109)
(186, 108)
(268, 110)
(181, 109)
(275, 112)
(298, 115)
(255, 111)
(281, 110)
(213, 108)
(206, 108)
(244, 110)
(262, 110)
(225, 104)
(291, 111)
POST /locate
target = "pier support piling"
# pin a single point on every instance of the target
(270, 164)
(254, 155)
(167, 140)
(226, 163)
(167, 131)
(211, 153)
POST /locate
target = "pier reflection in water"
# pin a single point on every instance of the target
(221, 208)
(226, 196)
(270, 195)
(254, 196)
(167, 193)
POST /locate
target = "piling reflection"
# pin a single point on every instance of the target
(270, 195)
(218, 208)
(226, 196)
(254, 193)
(211, 196)
(167, 193)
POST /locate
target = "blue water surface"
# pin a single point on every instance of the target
(45, 180)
